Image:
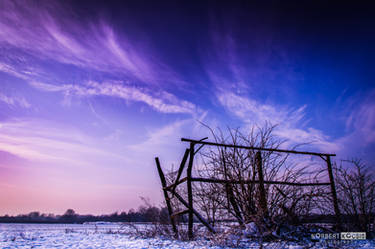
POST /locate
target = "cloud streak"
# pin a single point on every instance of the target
(290, 121)
(362, 119)
(51, 31)
(14, 101)
(161, 101)
(360, 125)
(36, 141)
(54, 163)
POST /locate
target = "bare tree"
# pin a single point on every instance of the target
(245, 177)
(241, 201)
(356, 192)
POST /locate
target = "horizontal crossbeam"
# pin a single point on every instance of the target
(255, 148)
(212, 180)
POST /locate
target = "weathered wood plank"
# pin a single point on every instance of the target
(166, 197)
(181, 168)
(255, 148)
(190, 191)
(334, 194)
(212, 180)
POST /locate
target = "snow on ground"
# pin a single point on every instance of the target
(110, 236)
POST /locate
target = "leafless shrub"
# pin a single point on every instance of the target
(240, 198)
(240, 201)
(356, 193)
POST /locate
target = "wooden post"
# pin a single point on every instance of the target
(190, 191)
(262, 192)
(166, 197)
(180, 169)
(334, 194)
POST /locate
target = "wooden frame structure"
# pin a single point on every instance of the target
(170, 191)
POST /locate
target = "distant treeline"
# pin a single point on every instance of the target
(143, 214)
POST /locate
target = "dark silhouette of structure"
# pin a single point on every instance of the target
(170, 191)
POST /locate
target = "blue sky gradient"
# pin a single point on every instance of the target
(91, 93)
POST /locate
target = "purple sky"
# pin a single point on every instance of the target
(91, 93)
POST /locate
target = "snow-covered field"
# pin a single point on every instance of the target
(111, 236)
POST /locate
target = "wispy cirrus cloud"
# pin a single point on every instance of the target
(250, 110)
(242, 65)
(164, 139)
(47, 160)
(241, 84)
(360, 128)
(14, 101)
(160, 101)
(293, 127)
(4, 67)
(362, 119)
(290, 121)
(37, 141)
(50, 30)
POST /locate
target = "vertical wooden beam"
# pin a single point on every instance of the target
(262, 192)
(180, 169)
(166, 197)
(190, 191)
(334, 194)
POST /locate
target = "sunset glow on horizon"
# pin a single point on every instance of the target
(91, 93)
